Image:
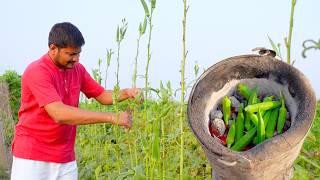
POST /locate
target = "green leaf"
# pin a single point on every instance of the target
(274, 47)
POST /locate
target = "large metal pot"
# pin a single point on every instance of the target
(272, 159)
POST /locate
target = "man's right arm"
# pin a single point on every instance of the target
(65, 114)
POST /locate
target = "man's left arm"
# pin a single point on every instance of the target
(129, 93)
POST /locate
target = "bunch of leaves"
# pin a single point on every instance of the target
(96, 152)
(13, 79)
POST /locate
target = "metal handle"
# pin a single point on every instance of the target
(265, 52)
(227, 163)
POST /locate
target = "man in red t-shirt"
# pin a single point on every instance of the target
(43, 144)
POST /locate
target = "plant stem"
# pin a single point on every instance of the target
(148, 158)
(134, 77)
(183, 62)
(288, 41)
(148, 58)
(118, 63)
(106, 76)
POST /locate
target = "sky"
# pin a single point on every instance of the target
(216, 30)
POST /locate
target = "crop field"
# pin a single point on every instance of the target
(103, 153)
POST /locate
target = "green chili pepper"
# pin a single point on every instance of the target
(263, 106)
(231, 134)
(282, 116)
(247, 121)
(245, 140)
(239, 124)
(252, 100)
(266, 99)
(226, 108)
(261, 128)
(272, 123)
(244, 91)
(253, 96)
(266, 117)
(253, 118)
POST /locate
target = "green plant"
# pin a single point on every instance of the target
(13, 79)
(97, 72)
(109, 56)
(121, 32)
(142, 30)
(287, 40)
(182, 85)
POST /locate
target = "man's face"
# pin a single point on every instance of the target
(65, 57)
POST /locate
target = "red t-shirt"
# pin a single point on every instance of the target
(37, 135)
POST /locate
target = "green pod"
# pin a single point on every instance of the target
(261, 134)
(266, 99)
(282, 116)
(247, 121)
(262, 106)
(266, 117)
(253, 118)
(252, 100)
(272, 123)
(253, 96)
(239, 124)
(244, 91)
(231, 134)
(226, 108)
(245, 140)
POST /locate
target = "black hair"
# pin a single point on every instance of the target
(65, 35)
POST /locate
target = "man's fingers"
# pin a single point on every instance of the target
(129, 119)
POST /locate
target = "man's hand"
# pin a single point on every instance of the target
(125, 120)
(135, 93)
